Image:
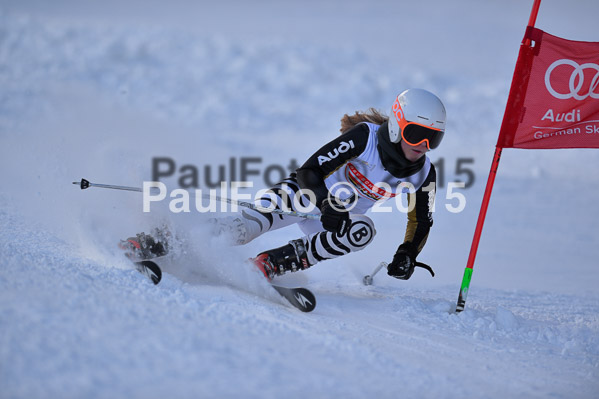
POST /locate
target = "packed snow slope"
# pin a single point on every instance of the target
(100, 89)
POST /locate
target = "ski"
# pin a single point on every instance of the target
(149, 269)
(301, 298)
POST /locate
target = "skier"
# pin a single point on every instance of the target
(344, 179)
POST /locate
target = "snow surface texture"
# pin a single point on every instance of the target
(97, 90)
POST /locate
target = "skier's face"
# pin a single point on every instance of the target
(413, 153)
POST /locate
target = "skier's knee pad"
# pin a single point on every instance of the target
(361, 232)
(328, 245)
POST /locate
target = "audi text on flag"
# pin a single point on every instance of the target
(554, 98)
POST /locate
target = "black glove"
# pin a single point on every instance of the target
(403, 263)
(334, 216)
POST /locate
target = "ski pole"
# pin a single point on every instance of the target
(367, 280)
(85, 184)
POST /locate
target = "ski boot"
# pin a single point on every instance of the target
(145, 246)
(288, 258)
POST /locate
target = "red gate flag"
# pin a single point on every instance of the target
(553, 103)
(554, 97)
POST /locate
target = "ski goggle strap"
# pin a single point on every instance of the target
(414, 133)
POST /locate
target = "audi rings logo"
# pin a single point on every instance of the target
(576, 81)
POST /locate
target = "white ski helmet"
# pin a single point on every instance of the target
(417, 116)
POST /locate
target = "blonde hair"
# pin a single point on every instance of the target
(372, 115)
